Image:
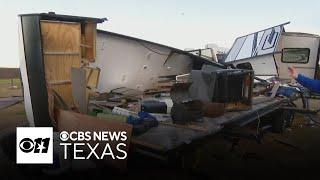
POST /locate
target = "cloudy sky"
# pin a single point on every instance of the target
(181, 23)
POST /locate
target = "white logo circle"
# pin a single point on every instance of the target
(64, 136)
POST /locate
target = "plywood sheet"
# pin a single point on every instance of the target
(92, 76)
(65, 91)
(90, 32)
(60, 36)
(58, 68)
(61, 50)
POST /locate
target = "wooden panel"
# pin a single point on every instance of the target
(61, 48)
(92, 76)
(89, 41)
(58, 68)
(60, 37)
(59, 82)
(65, 91)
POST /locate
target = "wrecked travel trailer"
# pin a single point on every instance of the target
(271, 51)
(76, 77)
(121, 61)
(211, 52)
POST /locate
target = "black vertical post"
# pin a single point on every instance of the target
(35, 69)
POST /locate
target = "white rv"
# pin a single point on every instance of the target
(52, 45)
(271, 51)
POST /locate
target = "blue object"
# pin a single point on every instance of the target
(145, 115)
(287, 91)
(312, 84)
(134, 120)
(142, 123)
(142, 116)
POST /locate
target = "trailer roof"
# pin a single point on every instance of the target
(60, 17)
(201, 59)
(301, 34)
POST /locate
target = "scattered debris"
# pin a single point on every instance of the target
(163, 95)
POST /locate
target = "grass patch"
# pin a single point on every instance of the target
(7, 82)
(6, 89)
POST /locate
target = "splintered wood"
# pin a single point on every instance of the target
(89, 41)
(162, 86)
(92, 76)
(61, 50)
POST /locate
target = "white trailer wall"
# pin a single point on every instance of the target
(132, 63)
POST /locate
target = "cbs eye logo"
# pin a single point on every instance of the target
(34, 145)
(39, 145)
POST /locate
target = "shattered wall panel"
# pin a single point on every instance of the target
(135, 64)
(262, 65)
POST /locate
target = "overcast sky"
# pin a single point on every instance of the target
(181, 23)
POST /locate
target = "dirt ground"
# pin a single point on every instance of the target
(294, 153)
(14, 115)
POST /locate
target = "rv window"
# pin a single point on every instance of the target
(295, 55)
